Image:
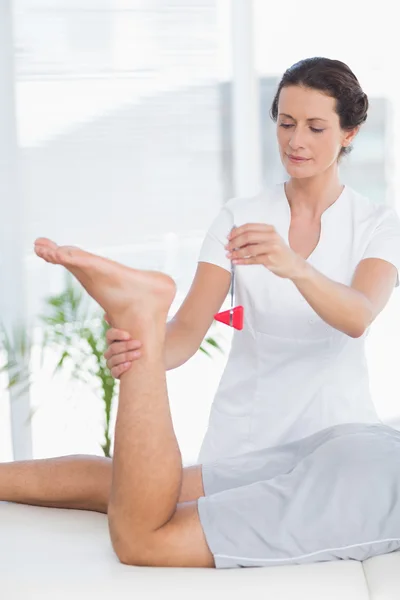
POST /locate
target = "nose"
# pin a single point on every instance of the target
(296, 139)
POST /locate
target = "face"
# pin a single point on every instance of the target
(308, 130)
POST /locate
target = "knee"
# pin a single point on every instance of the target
(135, 553)
(128, 550)
(131, 545)
(127, 555)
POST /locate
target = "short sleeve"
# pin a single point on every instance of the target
(385, 240)
(213, 247)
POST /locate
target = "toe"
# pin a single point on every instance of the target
(48, 254)
(45, 242)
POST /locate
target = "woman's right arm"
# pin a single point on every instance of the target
(186, 330)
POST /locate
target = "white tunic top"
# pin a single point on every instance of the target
(289, 373)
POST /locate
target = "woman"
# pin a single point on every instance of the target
(316, 264)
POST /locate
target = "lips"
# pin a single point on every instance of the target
(297, 158)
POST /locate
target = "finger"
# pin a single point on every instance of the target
(247, 252)
(119, 359)
(116, 372)
(263, 227)
(253, 260)
(252, 250)
(250, 237)
(113, 335)
(120, 347)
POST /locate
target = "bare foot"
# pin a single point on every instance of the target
(122, 292)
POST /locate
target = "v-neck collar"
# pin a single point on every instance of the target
(326, 217)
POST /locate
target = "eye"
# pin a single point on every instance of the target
(316, 130)
(286, 125)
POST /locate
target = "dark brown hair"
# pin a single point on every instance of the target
(335, 79)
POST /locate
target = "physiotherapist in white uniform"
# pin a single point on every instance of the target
(316, 262)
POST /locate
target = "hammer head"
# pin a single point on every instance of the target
(232, 317)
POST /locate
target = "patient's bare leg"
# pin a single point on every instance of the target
(147, 468)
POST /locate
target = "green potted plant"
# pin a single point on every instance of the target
(77, 333)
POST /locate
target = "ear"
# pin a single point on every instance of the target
(349, 136)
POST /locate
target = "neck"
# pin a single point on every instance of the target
(311, 196)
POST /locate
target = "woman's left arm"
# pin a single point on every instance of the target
(350, 309)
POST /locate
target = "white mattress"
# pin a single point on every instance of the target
(50, 554)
